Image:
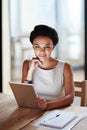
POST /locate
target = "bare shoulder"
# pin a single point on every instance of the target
(67, 67)
(67, 64)
(26, 63)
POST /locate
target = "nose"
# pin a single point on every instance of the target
(42, 49)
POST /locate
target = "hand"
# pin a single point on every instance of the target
(41, 103)
(34, 63)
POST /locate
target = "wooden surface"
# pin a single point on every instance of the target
(13, 117)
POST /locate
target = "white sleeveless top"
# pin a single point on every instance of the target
(49, 83)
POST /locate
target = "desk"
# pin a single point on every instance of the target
(13, 117)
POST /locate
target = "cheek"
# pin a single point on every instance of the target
(49, 52)
(36, 52)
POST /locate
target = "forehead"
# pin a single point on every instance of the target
(42, 39)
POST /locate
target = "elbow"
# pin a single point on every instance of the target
(70, 98)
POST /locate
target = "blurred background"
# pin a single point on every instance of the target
(19, 18)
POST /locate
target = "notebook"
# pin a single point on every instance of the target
(24, 94)
(58, 119)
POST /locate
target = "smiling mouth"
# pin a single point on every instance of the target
(42, 56)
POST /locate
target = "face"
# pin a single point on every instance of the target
(43, 47)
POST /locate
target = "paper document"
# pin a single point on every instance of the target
(58, 119)
(53, 116)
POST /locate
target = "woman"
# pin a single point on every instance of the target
(52, 78)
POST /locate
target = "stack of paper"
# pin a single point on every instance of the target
(60, 119)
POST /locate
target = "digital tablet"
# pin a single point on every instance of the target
(24, 94)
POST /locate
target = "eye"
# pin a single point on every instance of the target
(47, 47)
(36, 46)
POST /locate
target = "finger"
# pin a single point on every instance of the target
(37, 61)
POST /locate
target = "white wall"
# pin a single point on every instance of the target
(5, 46)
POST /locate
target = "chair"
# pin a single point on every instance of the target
(81, 91)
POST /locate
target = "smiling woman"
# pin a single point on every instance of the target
(52, 78)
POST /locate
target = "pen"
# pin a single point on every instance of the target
(52, 117)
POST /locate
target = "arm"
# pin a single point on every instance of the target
(69, 92)
(28, 69)
(25, 68)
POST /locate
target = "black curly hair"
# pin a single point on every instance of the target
(44, 30)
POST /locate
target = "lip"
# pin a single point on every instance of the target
(42, 56)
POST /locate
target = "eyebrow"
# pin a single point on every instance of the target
(45, 44)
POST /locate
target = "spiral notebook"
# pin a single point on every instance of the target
(58, 119)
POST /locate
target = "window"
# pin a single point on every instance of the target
(66, 16)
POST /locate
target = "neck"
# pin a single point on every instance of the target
(46, 63)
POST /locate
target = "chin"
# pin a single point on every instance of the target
(42, 59)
